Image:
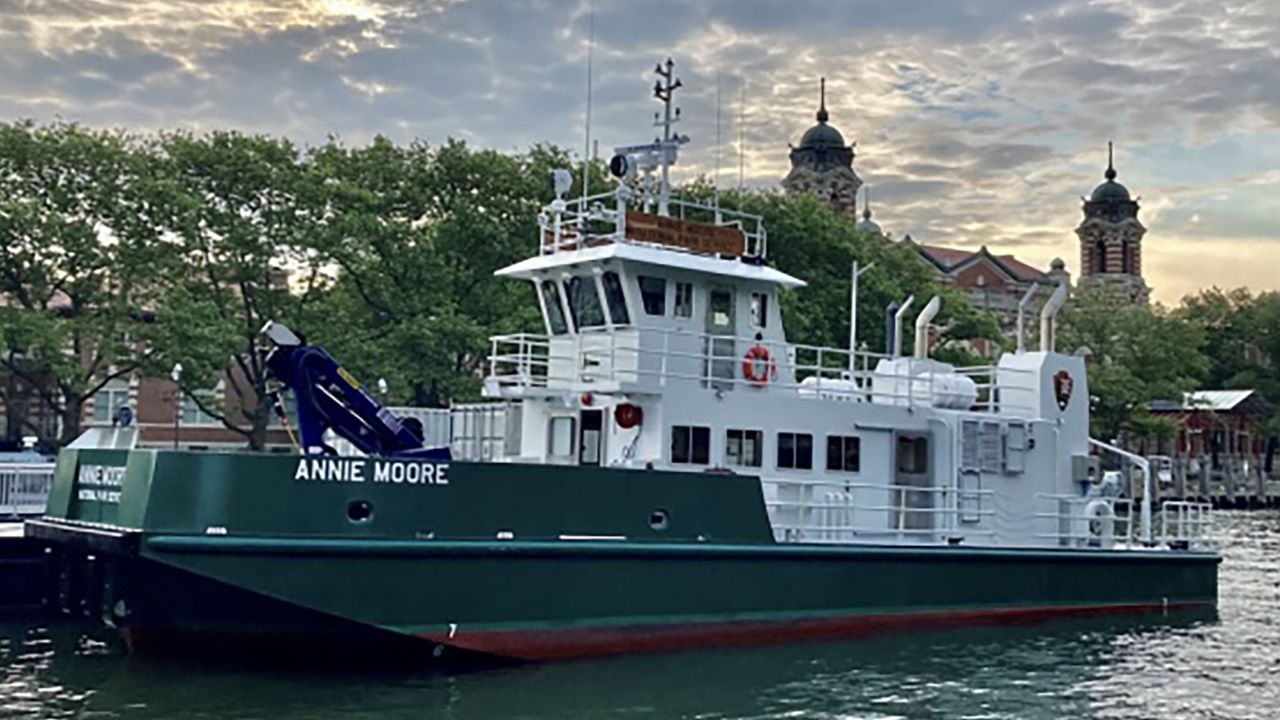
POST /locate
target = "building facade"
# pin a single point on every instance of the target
(991, 282)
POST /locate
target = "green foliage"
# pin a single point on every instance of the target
(810, 241)
(121, 255)
(1242, 333)
(239, 227)
(78, 245)
(1136, 354)
(417, 233)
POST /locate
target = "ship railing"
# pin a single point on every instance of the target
(24, 488)
(1186, 524)
(835, 511)
(602, 218)
(664, 357)
(1087, 521)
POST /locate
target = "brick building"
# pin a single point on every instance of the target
(1111, 239)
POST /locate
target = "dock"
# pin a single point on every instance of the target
(23, 570)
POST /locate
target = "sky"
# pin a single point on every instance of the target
(976, 122)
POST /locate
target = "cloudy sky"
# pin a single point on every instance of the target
(976, 121)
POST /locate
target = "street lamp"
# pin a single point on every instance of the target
(382, 389)
(176, 375)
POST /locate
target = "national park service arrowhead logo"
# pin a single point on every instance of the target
(1062, 386)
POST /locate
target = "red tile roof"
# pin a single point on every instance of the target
(948, 259)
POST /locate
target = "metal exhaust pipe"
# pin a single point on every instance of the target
(897, 325)
(1022, 312)
(927, 315)
(1048, 316)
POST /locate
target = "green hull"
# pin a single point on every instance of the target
(534, 562)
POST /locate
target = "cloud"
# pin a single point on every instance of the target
(976, 121)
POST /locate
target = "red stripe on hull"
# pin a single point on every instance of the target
(566, 643)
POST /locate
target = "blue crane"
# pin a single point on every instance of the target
(330, 398)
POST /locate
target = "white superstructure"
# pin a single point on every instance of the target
(664, 348)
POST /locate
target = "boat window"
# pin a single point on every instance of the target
(913, 455)
(555, 311)
(690, 445)
(759, 309)
(617, 300)
(743, 447)
(560, 437)
(684, 300)
(584, 302)
(653, 294)
(844, 453)
(795, 451)
(721, 308)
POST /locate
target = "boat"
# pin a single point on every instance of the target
(674, 473)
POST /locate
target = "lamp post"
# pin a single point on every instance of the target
(176, 375)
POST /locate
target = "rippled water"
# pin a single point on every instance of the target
(1177, 667)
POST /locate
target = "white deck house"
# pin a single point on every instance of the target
(664, 348)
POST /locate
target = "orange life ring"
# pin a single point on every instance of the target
(758, 367)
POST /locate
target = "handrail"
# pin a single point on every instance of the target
(24, 488)
(1147, 497)
(602, 355)
(565, 224)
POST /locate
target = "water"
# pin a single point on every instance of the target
(1182, 667)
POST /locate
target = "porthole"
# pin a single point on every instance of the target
(359, 511)
(659, 519)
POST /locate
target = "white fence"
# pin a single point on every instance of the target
(24, 488)
(473, 432)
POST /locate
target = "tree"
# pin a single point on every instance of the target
(810, 241)
(78, 249)
(243, 221)
(1136, 354)
(1242, 340)
(416, 233)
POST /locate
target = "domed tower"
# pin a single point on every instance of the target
(866, 224)
(1111, 239)
(822, 165)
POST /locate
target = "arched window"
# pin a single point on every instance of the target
(1100, 255)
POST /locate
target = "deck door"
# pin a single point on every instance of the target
(721, 350)
(913, 508)
(591, 439)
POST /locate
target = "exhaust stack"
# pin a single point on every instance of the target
(897, 325)
(1048, 317)
(927, 315)
(1022, 312)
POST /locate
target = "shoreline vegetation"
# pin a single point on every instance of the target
(122, 254)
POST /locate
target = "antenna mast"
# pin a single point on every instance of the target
(716, 183)
(742, 147)
(586, 148)
(664, 89)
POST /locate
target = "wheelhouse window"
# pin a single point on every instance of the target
(684, 300)
(690, 445)
(743, 448)
(653, 294)
(616, 298)
(584, 302)
(844, 453)
(759, 309)
(795, 451)
(555, 310)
